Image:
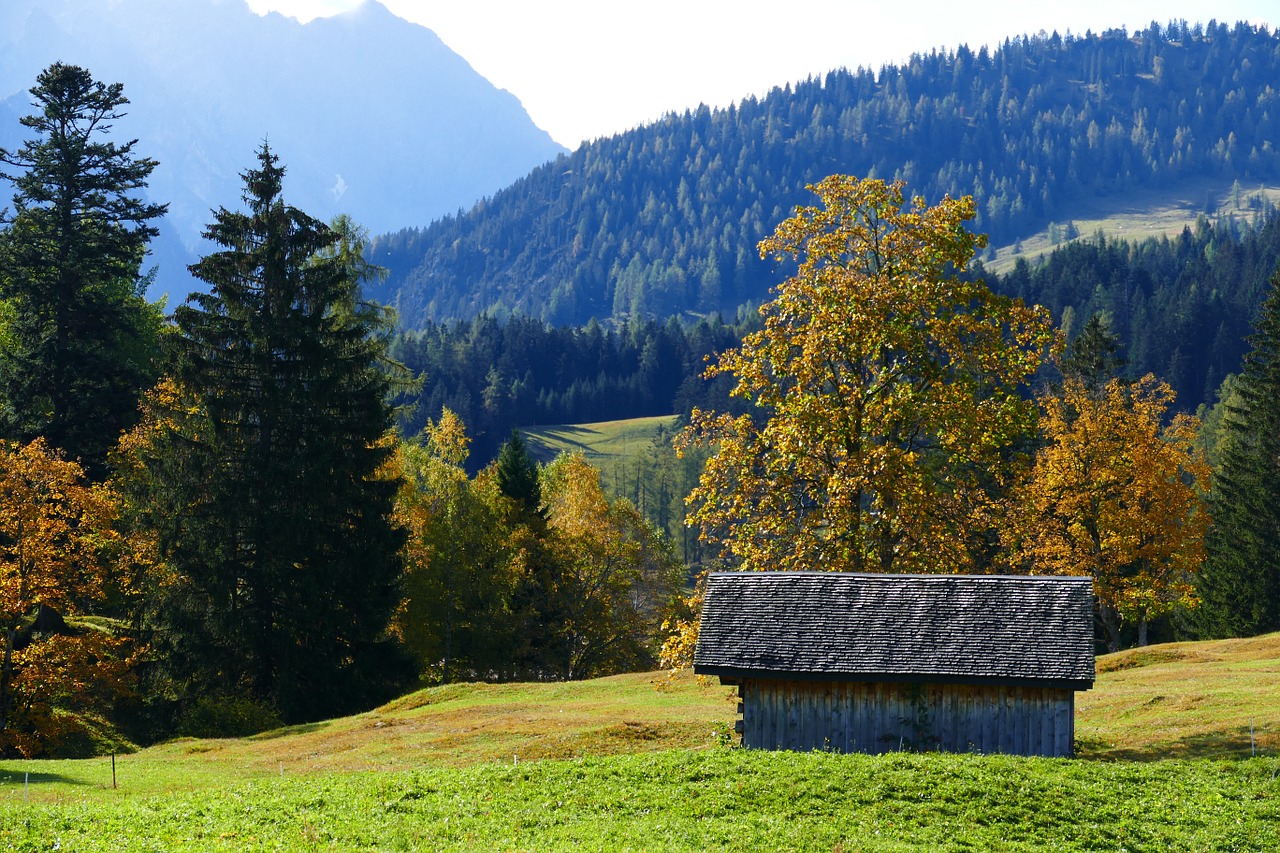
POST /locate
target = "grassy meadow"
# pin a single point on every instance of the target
(604, 444)
(640, 762)
(1142, 214)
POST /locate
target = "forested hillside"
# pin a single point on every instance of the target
(665, 219)
(1181, 309)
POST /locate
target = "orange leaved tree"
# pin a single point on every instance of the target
(1116, 495)
(56, 533)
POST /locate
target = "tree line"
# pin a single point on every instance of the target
(499, 375)
(664, 219)
(1181, 308)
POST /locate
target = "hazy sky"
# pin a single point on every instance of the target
(590, 68)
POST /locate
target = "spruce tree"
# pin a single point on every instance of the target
(537, 604)
(1240, 583)
(1093, 357)
(80, 339)
(518, 479)
(271, 495)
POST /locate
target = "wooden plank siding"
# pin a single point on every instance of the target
(877, 717)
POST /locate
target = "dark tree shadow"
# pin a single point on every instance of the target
(1226, 744)
(9, 776)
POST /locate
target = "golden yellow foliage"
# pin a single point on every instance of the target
(617, 573)
(889, 393)
(1116, 496)
(455, 567)
(58, 545)
(681, 630)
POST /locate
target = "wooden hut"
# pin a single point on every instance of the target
(878, 663)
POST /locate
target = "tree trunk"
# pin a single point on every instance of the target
(6, 676)
(1110, 621)
(1142, 631)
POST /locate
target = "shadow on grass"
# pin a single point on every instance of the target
(300, 729)
(1228, 744)
(543, 450)
(21, 777)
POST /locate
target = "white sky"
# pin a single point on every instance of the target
(590, 68)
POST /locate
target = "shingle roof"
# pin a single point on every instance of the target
(861, 627)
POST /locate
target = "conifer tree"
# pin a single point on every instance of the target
(1093, 356)
(80, 339)
(268, 469)
(1240, 584)
(518, 479)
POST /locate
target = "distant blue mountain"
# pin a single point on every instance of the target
(372, 116)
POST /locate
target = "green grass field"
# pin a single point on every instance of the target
(602, 443)
(639, 762)
(1141, 214)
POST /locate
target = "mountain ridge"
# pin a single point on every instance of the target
(210, 80)
(664, 220)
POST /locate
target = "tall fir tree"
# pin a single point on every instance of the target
(538, 601)
(268, 478)
(80, 339)
(518, 479)
(1093, 357)
(1240, 584)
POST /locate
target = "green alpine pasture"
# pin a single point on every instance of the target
(603, 444)
(718, 799)
(1179, 750)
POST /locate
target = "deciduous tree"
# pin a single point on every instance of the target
(618, 575)
(81, 342)
(455, 619)
(890, 392)
(1116, 495)
(56, 537)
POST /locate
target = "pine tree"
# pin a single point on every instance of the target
(518, 479)
(1240, 584)
(80, 339)
(1092, 357)
(270, 493)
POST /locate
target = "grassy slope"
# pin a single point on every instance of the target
(646, 774)
(1184, 700)
(1146, 213)
(602, 443)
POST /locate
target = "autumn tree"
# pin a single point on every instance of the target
(1240, 585)
(1115, 495)
(57, 540)
(890, 391)
(80, 340)
(455, 617)
(617, 577)
(268, 478)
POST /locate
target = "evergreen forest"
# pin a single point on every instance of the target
(664, 219)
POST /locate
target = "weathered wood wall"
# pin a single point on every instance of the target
(887, 717)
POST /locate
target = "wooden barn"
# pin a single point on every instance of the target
(879, 663)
